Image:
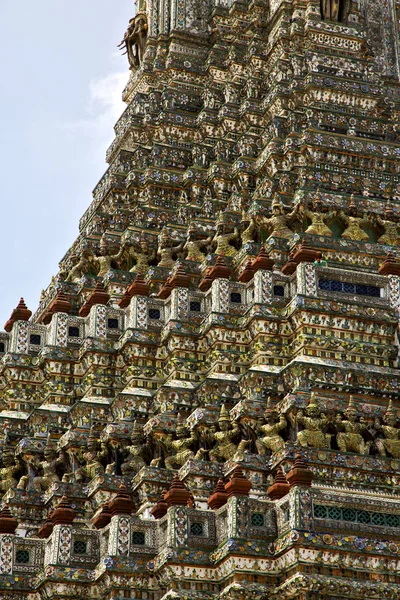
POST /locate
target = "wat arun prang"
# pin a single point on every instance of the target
(206, 403)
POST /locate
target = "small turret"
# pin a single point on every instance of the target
(238, 485)
(64, 514)
(177, 494)
(161, 508)
(219, 496)
(98, 296)
(7, 522)
(299, 474)
(280, 487)
(122, 504)
(20, 313)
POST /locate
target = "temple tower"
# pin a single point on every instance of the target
(205, 404)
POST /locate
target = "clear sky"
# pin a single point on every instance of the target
(61, 81)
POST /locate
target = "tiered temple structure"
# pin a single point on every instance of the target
(206, 403)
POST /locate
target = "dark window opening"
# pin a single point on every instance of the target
(22, 557)
(80, 547)
(2, 347)
(195, 306)
(196, 529)
(138, 538)
(257, 520)
(236, 298)
(35, 339)
(279, 290)
(353, 515)
(113, 324)
(73, 332)
(345, 287)
(154, 313)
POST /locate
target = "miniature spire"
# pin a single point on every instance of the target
(20, 313)
(238, 485)
(46, 529)
(390, 410)
(122, 504)
(138, 288)
(304, 254)
(291, 265)
(219, 271)
(351, 407)
(64, 514)
(125, 300)
(280, 487)
(177, 494)
(165, 290)
(299, 474)
(161, 508)
(98, 296)
(219, 497)
(390, 266)
(248, 272)
(262, 261)
(180, 278)
(7, 522)
(103, 518)
(206, 281)
(61, 303)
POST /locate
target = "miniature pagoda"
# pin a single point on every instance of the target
(205, 404)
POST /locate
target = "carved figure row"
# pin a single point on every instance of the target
(316, 221)
(352, 433)
(227, 240)
(228, 440)
(29, 471)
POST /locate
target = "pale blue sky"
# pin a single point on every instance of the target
(61, 82)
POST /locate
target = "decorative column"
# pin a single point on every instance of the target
(220, 296)
(6, 553)
(58, 332)
(177, 288)
(121, 508)
(58, 552)
(391, 268)
(19, 341)
(138, 318)
(179, 304)
(306, 279)
(394, 291)
(98, 321)
(8, 526)
(177, 498)
(263, 290)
